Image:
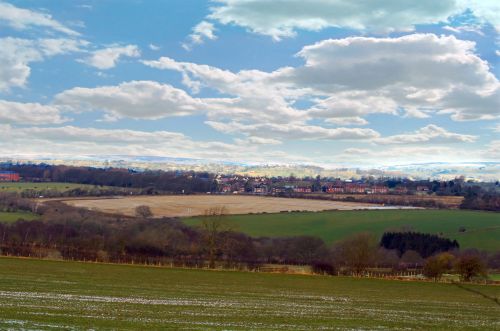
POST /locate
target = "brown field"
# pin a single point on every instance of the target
(194, 205)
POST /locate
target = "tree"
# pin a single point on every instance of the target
(435, 266)
(411, 258)
(469, 266)
(143, 211)
(357, 252)
(213, 226)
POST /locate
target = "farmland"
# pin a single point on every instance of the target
(482, 228)
(9, 217)
(192, 205)
(46, 295)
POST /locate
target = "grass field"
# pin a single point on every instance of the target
(49, 295)
(21, 186)
(192, 205)
(482, 228)
(12, 217)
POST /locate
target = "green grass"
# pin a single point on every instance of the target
(12, 217)
(482, 228)
(22, 186)
(45, 295)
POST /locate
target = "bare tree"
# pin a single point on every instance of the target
(143, 211)
(214, 225)
(469, 266)
(357, 252)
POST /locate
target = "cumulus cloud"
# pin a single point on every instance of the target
(424, 62)
(108, 58)
(16, 54)
(428, 134)
(201, 32)
(21, 19)
(283, 18)
(345, 79)
(135, 99)
(29, 113)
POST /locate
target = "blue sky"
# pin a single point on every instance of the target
(287, 81)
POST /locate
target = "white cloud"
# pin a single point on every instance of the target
(283, 18)
(428, 134)
(135, 99)
(16, 55)
(154, 47)
(78, 141)
(294, 131)
(201, 32)
(414, 75)
(492, 151)
(21, 19)
(395, 155)
(29, 113)
(417, 61)
(108, 58)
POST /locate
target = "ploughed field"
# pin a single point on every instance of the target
(482, 229)
(49, 295)
(192, 205)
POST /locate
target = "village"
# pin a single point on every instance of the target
(287, 185)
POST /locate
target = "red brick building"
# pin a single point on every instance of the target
(9, 176)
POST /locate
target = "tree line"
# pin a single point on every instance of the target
(150, 182)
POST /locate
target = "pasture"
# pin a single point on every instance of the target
(52, 186)
(192, 205)
(10, 217)
(482, 229)
(48, 295)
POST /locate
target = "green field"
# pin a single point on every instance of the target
(22, 186)
(482, 228)
(12, 217)
(49, 295)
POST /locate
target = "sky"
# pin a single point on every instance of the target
(321, 82)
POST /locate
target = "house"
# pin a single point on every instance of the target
(380, 189)
(226, 189)
(335, 189)
(9, 176)
(261, 189)
(302, 189)
(278, 190)
(422, 190)
(400, 190)
(355, 188)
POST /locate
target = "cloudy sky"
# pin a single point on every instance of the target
(325, 82)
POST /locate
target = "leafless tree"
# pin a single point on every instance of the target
(214, 225)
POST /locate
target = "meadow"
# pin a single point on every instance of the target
(48, 295)
(10, 217)
(482, 229)
(54, 186)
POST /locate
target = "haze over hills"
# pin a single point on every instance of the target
(479, 171)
